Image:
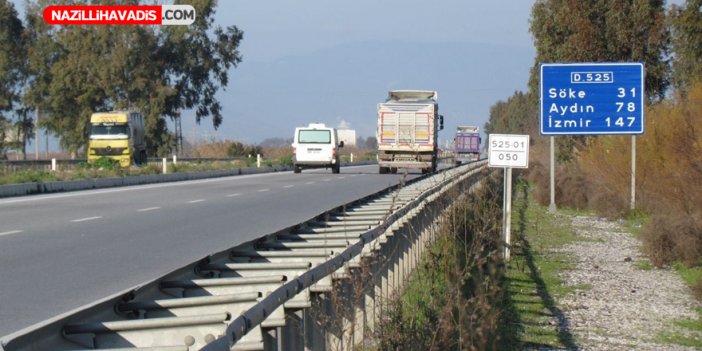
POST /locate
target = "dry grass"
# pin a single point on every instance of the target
(571, 187)
(668, 179)
(452, 301)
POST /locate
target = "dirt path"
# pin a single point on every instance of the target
(620, 305)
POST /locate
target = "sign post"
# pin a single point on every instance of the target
(592, 99)
(508, 151)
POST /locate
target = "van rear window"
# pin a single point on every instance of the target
(307, 136)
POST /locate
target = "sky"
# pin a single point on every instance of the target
(333, 61)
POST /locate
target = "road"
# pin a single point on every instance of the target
(61, 251)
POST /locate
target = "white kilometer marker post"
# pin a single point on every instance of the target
(508, 151)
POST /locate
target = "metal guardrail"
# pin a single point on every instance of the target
(227, 300)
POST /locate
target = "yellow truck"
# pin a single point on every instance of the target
(118, 135)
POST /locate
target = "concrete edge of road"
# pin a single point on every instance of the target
(22, 189)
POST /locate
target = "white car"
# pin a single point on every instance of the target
(316, 146)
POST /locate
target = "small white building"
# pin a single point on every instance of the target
(348, 136)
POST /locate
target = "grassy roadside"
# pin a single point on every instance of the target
(532, 318)
(692, 329)
(107, 169)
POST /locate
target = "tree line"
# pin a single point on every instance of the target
(594, 172)
(62, 74)
(667, 42)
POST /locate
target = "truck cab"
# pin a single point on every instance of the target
(316, 146)
(118, 135)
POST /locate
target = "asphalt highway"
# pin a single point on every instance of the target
(61, 251)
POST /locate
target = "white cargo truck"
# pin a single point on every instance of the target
(316, 146)
(407, 133)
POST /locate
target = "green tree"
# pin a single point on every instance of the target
(42, 52)
(516, 115)
(237, 149)
(198, 65)
(686, 40)
(156, 70)
(12, 72)
(603, 31)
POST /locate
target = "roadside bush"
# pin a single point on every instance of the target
(452, 301)
(105, 163)
(213, 149)
(279, 155)
(673, 237)
(668, 178)
(29, 176)
(571, 188)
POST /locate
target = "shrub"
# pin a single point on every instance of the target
(669, 169)
(452, 301)
(671, 237)
(571, 187)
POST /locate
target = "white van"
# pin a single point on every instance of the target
(316, 146)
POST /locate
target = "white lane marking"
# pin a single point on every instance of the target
(263, 190)
(85, 219)
(233, 195)
(11, 232)
(309, 183)
(196, 201)
(328, 180)
(288, 186)
(148, 209)
(340, 177)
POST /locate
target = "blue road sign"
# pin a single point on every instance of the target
(592, 98)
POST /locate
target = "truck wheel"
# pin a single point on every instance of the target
(383, 170)
(297, 169)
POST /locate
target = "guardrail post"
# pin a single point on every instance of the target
(258, 160)
(175, 159)
(351, 157)
(165, 166)
(53, 165)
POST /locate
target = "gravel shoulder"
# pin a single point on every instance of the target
(618, 304)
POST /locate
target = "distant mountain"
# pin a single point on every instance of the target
(269, 99)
